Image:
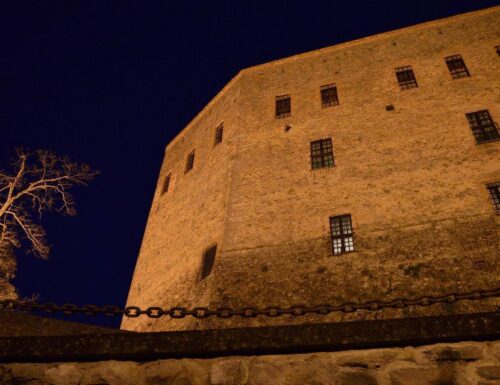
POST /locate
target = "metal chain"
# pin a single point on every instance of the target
(249, 312)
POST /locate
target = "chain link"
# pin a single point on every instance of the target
(247, 312)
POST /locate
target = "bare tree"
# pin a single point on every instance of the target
(38, 183)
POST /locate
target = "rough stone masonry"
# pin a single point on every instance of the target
(407, 169)
(464, 363)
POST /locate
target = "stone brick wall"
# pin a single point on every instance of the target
(464, 363)
(413, 180)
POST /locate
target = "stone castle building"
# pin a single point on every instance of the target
(365, 171)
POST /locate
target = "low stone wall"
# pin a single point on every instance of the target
(462, 363)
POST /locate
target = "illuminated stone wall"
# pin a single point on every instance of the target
(413, 180)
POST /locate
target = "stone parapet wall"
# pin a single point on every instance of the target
(462, 363)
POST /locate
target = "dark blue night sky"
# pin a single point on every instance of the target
(110, 83)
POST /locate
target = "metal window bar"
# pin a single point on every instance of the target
(494, 189)
(342, 236)
(166, 184)
(283, 106)
(322, 153)
(190, 161)
(406, 78)
(482, 125)
(207, 261)
(329, 96)
(457, 67)
(218, 134)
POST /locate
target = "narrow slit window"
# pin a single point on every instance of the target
(190, 161)
(207, 261)
(342, 236)
(497, 48)
(322, 153)
(329, 96)
(494, 189)
(483, 127)
(457, 67)
(219, 131)
(166, 184)
(283, 106)
(406, 78)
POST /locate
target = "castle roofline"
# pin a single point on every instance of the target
(332, 48)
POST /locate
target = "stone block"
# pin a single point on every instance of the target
(356, 377)
(458, 352)
(64, 374)
(111, 373)
(229, 372)
(489, 372)
(440, 375)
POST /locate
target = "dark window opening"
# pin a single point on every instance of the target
(406, 78)
(498, 49)
(456, 66)
(482, 125)
(322, 153)
(190, 161)
(166, 184)
(341, 234)
(218, 134)
(283, 106)
(494, 189)
(329, 95)
(207, 261)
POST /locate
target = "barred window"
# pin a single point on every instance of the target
(329, 95)
(483, 127)
(207, 261)
(189, 161)
(341, 234)
(456, 66)
(494, 189)
(322, 153)
(406, 78)
(283, 106)
(218, 134)
(166, 184)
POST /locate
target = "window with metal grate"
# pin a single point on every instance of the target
(283, 106)
(329, 96)
(494, 189)
(483, 127)
(341, 234)
(207, 261)
(406, 78)
(218, 134)
(322, 153)
(456, 66)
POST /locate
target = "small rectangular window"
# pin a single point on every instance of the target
(406, 78)
(329, 95)
(483, 127)
(207, 261)
(456, 66)
(218, 134)
(283, 106)
(322, 153)
(497, 48)
(341, 234)
(189, 161)
(494, 189)
(166, 184)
